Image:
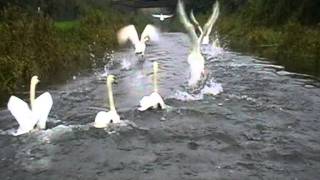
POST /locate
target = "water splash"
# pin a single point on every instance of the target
(210, 88)
(126, 64)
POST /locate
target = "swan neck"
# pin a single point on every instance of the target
(155, 74)
(32, 93)
(110, 95)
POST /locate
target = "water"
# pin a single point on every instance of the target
(263, 123)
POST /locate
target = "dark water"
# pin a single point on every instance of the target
(264, 125)
(294, 63)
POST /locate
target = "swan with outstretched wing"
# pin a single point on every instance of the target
(129, 33)
(162, 17)
(37, 115)
(207, 28)
(195, 58)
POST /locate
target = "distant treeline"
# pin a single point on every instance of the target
(59, 9)
(267, 12)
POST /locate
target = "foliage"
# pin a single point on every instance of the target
(33, 43)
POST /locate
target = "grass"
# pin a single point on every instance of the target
(33, 44)
(67, 25)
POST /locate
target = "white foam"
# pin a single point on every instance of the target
(211, 88)
(125, 64)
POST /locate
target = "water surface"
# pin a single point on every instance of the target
(264, 125)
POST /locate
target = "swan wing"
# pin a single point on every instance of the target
(168, 16)
(145, 103)
(188, 26)
(128, 33)
(150, 32)
(156, 15)
(195, 21)
(211, 21)
(22, 113)
(41, 109)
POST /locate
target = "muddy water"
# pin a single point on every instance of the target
(264, 125)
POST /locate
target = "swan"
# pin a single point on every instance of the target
(103, 119)
(154, 100)
(150, 33)
(37, 115)
(195, 58)
(162, 17)
(207, 28)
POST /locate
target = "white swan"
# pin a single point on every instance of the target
(154, 100)
(207, 28)
(103, 119)
(162, 17)
(37, 115)
(195, 58)
(150, 33)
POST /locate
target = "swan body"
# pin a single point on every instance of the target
(196, 62)
(154, 100)
(162, 17)
(207, 28)
(195, 58)
(150, 33)
(103, 119)
(27, 117)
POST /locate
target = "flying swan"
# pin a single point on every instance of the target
(103, 119)
(150, 33)
(195, 58)
(162, 17)
(37, 115)
(207, 28)
(154, 100)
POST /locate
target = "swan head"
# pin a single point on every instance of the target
(34, 80)
(110, 79)
(146, 39)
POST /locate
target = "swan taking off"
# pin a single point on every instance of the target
(103, 119)
(154, 100)
(195, 58)
(37, 115)
(162, 17)
(207, 28)
(150, 33)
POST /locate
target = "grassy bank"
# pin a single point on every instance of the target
(286, 31)
(288, 40)
(33, 43)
